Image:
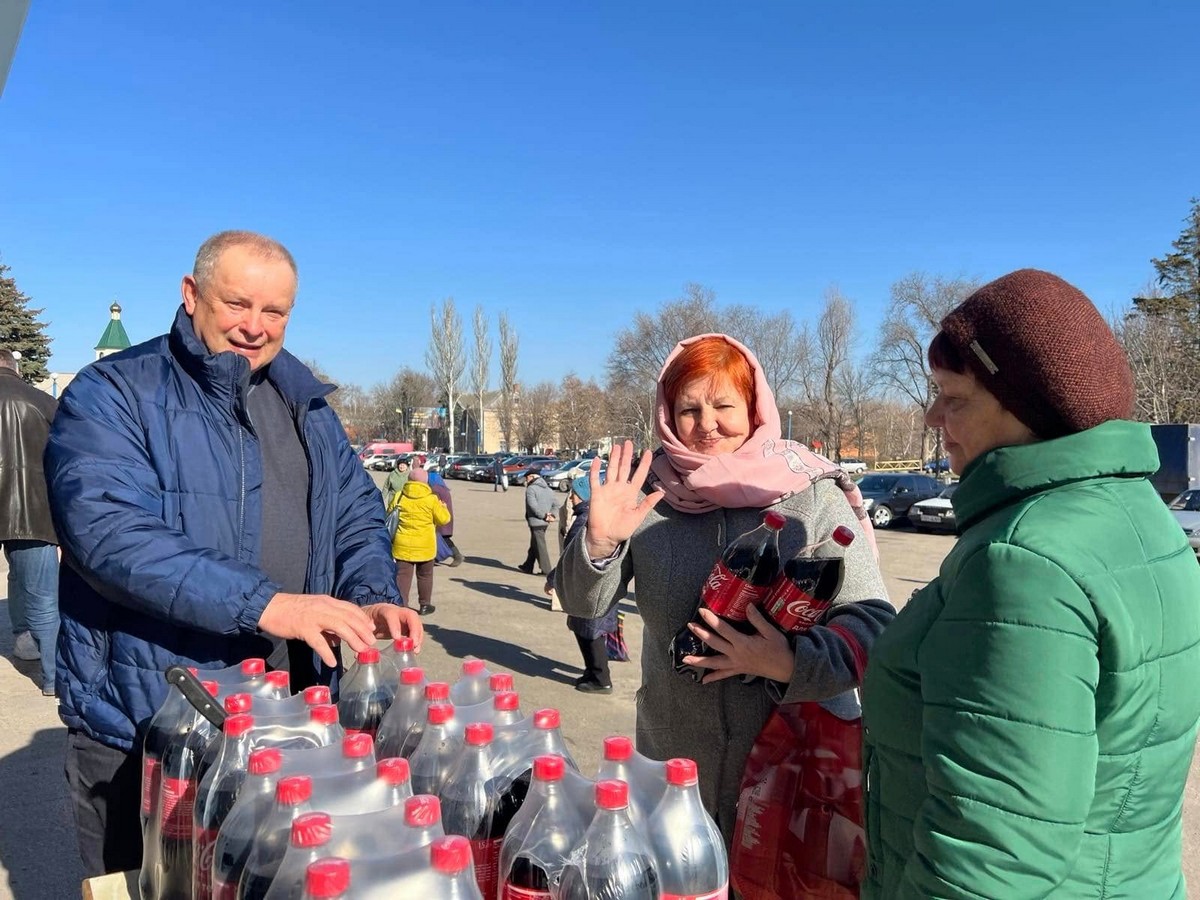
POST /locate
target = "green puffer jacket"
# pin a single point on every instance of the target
(1031, 714)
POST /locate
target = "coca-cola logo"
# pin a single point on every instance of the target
(717, 579)
(206, 845)
(804, 611)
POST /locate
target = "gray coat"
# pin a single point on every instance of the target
(539, 502)
(671, 554)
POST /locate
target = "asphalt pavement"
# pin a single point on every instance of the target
(485, 608)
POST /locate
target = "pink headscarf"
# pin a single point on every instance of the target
(760, 473)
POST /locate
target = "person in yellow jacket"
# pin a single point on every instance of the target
(415, 543)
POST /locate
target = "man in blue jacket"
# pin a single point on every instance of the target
(209, 508)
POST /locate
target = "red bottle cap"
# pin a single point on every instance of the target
(473, 667)
(450, 855)
(412, 675)
(479, 734)
(500, 681)
(843, 536)
(775, 521)
(317, 695)
(211, 686)
(194, 671)
(356, 746)
(549, 768)
(403, 645)
(327, 877)
(238, 703)
(293, 790)
(253, 666)
(440, 713)
(236, 726)
(265, 761)
(422, 811)
(325, 714)
(393, 770)
(279, 679)
(612, 794)
(681, 772)
(506, 701)
(370, 655)
(618, 748)
(437, 690)
(546, 719)
(312, 830)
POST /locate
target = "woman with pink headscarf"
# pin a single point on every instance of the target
(664, 522)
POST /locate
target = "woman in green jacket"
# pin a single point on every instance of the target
(1031, 714)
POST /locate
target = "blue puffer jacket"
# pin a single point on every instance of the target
(155, 481)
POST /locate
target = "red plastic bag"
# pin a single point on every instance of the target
(799, 831)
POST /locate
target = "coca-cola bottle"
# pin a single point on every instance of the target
(809, 584)
(308, 842)
(270, 843)
(472, 685)
(617, 864)
(232, 846)
(506, 708)
(366, 695)
(500, 681)
(167, 830)
(215, 798)
(450, 860)
(422, 822)
(281, 682)
(468, 804)
(246, 670)
(324, 721)
(541, 835)
(317, 695)
(327, 879)
(431, 761)
(400, 653)
(741, 578)
(404, 716)
(687, 845)
(617, 763)
(544, 739)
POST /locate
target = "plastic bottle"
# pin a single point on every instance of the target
(366, 695)
(215, 798)
(232, 846)
(247, 669)
(404, 716)
(469, 803)
(327, 879)
(541, 835)
(450, 860)
(472, 685)
(326, 728)
(741, 578)
(500, 681)
(167, 813)
(317, 695)
(400, 653)
(616, 863)
(544, 739)
(687, 845)
(616, 764)
(270, 843)
(397, 775)
(506, 708)
(809, 584)
(308, 842)
(431, 761)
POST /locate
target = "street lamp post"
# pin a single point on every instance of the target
(789, 425)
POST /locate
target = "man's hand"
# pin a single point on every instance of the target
(318, 620)
(392, 621)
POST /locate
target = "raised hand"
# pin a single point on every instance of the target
(617, 506)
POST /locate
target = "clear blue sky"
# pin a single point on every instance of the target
(572, 163)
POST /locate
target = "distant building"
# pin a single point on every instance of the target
(114, 339)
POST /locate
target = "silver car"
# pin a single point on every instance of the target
(1186, 509)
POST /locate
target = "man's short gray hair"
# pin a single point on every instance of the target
(261, 245)
(8, 361)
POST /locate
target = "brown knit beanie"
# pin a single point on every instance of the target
(1044, 351)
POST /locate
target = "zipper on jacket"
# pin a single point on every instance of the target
(241, 489)
(301, 422)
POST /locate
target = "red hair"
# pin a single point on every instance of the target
(707, 359)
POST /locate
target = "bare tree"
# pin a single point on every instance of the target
(509, 346)
(392, 406)
(481, 361)
(830, 356)
(536, 420)
(1158, 340)
(581, 412)
(855, 385)
(918, 305)
(445, 357)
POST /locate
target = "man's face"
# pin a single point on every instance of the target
(245, 307)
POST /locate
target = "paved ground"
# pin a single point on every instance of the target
(484, 608)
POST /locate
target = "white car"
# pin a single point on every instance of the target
(852, 466)
(935, 514)
(1186, 509)
(561, 478)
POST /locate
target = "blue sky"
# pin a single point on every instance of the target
(572, 163)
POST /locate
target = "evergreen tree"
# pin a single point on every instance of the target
(20, 329)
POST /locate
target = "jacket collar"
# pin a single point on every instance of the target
(415, 490)
(1115, 449)
(226, 376)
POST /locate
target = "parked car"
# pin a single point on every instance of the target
(382, 462)
(936, 514)
(464, 466)
(851, 465)
(888, 497)
(938, 465)
(537, 464)
(484, 473)
(1186, 509)
(560, 479)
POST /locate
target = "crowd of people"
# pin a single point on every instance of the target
(1029, 716)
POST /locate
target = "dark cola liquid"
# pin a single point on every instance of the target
(177, 801)
(635, 879)
(527, 874)
(363, 711)
(806, 591)
(271, 849)
(510, 802)
(220, 802)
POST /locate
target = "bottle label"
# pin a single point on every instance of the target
(792, 608)
(150, 772)
(176, 799)
(486, 853)
(512, 892)
(721, 893)
(223, 891)
(730, 596)
(205, 844)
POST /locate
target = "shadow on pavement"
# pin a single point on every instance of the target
(516, 659)
(488, 561)
(37, 847)
(533, 596)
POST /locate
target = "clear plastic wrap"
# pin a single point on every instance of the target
(472, 685)
(405, 717)
(614, 862)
